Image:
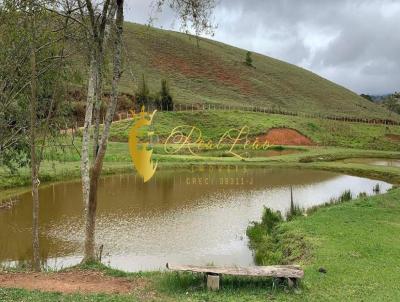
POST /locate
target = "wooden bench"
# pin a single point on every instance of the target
(290, 272)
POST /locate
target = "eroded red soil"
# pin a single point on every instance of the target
(286, 137)
(393, 137)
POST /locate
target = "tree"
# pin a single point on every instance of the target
(165, 101)
(367, 97)
(143, 94)
(249, 60)
(392, 102)
(100, 21)
(32, 56)
(97, 37)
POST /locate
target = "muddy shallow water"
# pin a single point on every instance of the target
(182, 216)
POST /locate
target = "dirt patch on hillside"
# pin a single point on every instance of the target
(393, 137)
(204, 66)
(72, 282)
(286, 137)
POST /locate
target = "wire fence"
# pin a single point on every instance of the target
(213, 107)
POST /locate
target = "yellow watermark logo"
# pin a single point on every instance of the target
(140, 154)
(234, 142)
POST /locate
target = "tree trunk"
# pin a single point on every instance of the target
(34, 163)
(90, 254)
(97, 106)
(85, 161)
(95, 171)
(99, 83)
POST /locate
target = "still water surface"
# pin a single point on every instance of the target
(374, 161)
(181, 216)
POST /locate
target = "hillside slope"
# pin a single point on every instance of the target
(214, 73)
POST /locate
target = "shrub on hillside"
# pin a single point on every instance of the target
(125, 103)
(249, 59)
(142, 95)
(78, 110)
(164, 100)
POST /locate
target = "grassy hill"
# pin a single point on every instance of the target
(214, 73)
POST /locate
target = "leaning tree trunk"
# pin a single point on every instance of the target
(95, 171)
(34, 163)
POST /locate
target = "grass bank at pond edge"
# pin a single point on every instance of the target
(355, 242)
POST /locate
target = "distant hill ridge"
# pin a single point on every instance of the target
(215, 73)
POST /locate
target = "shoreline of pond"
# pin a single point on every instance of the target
(333, 163)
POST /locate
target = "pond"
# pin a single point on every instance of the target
(183, 216)
(387, 162)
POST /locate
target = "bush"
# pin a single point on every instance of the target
(270, 219)
(78, 110)
(164, 99)
(376, 189)
(142, 96)
(125, 103)
(294, 211)
(272, 243)
(262, 239)
(249, 60)
(346, 196)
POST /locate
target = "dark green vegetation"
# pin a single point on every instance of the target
(392, 102)
(215, 73)
(271, 245)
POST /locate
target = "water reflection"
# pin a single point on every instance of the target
(195, 216)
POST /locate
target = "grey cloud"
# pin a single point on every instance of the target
(352, 42)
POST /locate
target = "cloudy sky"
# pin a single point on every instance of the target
(355, 43)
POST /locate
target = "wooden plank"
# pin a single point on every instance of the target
(277, 271)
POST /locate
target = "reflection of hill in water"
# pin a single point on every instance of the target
(134, 217)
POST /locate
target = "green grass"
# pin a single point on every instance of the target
(358, 244)
(213, 124)
(67, 166)
(215, 73)
(347, 138)
(20, 295)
